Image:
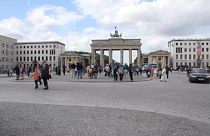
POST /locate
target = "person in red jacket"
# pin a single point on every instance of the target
(35, 75)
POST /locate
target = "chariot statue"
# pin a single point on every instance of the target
(116, 35)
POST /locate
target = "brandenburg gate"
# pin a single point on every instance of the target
(115, 43)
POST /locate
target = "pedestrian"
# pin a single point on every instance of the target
(36, 75)
(167, 71)
(64, 70)
(45, 74)
(130, 70)
(163, 75)
(121, 72)
(17, 71)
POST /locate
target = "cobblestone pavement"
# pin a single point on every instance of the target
(175, 97)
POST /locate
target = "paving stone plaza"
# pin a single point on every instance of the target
(102, 107)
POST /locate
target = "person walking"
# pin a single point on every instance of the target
(167, 71)
(121, 72)
(163, 75)
(45, 74)
(130, 70)
(17, 71)
(36, 75)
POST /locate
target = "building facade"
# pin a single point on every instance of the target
(69, 57)
(160, 57)
(190, 52)
(29, 52)
(116, 43)
(7, 54)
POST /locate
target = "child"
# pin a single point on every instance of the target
(35, 75)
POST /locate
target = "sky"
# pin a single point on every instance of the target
(77, 22)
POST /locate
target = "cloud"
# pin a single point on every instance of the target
(47, 16)
(160, 17)
(13, 27)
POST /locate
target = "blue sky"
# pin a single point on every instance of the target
(77, 22)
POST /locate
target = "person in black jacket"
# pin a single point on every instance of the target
(45, 74)
(17, 71)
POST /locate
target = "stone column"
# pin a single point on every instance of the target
(93, 53)
(110, 56)
(121, 56)
(130, 56)
(61, 62)
(138, 57)
(102, 57)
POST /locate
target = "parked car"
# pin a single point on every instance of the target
(199, 75)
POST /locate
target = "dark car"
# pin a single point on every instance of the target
(199, 75)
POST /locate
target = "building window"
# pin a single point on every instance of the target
(27, 58)
(53, 58)
(194, 56)
(24, 58)
(193, 43)
(50, 58)
(27, 52)
(193, 49)
(16, 52)
(202, 49)
(202, 43)
(31, 47)
(39, 58)
(24, 47)
(190, 57)
(38, 51)
(189, 64)
(31, 58)
(34, 52)
(180, 43)
(17, 59)
(202, 56)
(185, 49)
(31, 52)
(189, 43)
(46, 58)
(207, 64)
(185, 43)
(20, 58)
(178, 50)
(181, 57)
(27, 46)
(185, 56)
(176, 56)
(193, 64)
(46, 51)
(189, 49)
(207, 43)
(20, 52)
(207, 56)
(207, 49)
(24, 52)
(42, 51)
(176, 43)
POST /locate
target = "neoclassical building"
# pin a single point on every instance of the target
(115, 43)
(190, 52)
(160, 57)
(69, 57)
(28, 52)
(7, 54)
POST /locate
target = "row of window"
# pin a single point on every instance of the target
(192, 43)
(35, 46)
(179, 49)
(180, 57)
(52, 52)
(6, 59)
(29, 59)
(193, 64)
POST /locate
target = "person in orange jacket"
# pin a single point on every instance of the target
(36, 75)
